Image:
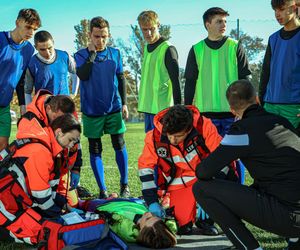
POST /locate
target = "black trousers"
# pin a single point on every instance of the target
(4, 235)
(228, 203)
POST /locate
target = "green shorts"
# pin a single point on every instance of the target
(5, 121)
(289, 111)
(95, 127)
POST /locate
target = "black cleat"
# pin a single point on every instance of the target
(124, 191)
(103, 194)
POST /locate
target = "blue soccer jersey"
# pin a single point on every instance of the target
(14, 59)
(51, 76)
(99, 94)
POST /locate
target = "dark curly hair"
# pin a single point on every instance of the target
(177, 119)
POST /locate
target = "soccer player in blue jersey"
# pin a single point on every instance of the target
(279, 89)
(49, 68)
(15, 53)
(103, 101)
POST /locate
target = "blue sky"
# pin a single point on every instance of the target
(184, 16)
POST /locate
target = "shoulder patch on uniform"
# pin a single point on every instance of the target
(162, 152)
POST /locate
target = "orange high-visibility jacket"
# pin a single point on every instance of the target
(37, 106)
(37, 159)
(38, 162)
(186, 156)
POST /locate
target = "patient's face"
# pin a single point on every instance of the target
(148, 220)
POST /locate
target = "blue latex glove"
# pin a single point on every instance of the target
(157, 210)
(201, 214)
(75, 177)
(76, 210)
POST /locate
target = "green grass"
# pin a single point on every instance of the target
(134, 138)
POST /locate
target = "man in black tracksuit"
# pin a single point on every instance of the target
(270, 149)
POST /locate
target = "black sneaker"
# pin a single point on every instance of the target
(293, 245)
(124, 191)
(83, 192)
(206, 228)
(103, 194)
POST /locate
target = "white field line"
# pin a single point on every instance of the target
(106, 166)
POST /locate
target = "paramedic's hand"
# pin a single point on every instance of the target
(75, 177)
(157, 210)
(201, 214)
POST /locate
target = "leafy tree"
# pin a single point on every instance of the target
(255, 73)
(82, 34)
(182, 82)
(254, 47)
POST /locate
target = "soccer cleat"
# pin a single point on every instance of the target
(124, 191)
(103, 194)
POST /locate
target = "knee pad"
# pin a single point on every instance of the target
(95, 146)
(118, 141)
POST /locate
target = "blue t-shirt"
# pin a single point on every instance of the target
(14, 59)
(99, 94)
(53, 76)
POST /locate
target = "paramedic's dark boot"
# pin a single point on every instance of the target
(103, 194)
(207, 227)
(124, 191)
(83, 192)
(185, 229)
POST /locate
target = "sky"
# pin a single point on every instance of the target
(184, 16)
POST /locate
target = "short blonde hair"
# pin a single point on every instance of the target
(148, 17)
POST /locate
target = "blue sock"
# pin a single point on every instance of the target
(98, 169)
(241, 171)
(122, 162)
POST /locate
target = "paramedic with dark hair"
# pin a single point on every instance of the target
(38, 173)
(181, 139)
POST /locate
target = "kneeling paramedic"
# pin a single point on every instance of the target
(181, 139)
(30, 177)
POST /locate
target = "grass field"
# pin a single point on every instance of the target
(134, 142)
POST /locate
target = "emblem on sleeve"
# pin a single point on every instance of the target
(162, 152)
